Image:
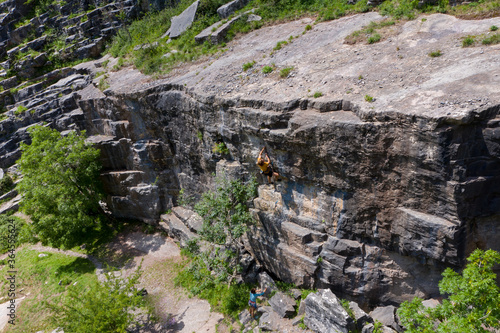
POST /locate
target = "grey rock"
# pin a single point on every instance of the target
(191, 219)
(387, 316)
(283, 305)
(41, 255)
(244, 317)
(302, 308)
(269, 321)
(229, 8)
(216, 32)
(361, 317)
(9, 83)
(428, 303)
(265, 281)
(182, 22)
(176, 229)
(297, 320)
(421, 235)
(296, 293)
(253, 17)
(324, 313)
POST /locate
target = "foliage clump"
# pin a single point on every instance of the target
(472, 303)
(61, 188)
(6, 184)
(226, 216)
(101, 307)
(14, 228)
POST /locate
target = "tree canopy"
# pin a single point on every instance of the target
(472, 304)
(60, 187)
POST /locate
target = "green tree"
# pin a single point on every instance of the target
(225, 216)
(102, 307)
(472, 304)
(60, 187)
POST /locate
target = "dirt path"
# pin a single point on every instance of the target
(161, 260)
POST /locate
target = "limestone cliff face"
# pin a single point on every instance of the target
(378, 198)
(372, 208)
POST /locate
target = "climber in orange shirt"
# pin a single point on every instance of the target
(267, 167)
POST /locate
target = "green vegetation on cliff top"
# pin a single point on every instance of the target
(159, 56)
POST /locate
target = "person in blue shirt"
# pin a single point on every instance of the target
(253, 300)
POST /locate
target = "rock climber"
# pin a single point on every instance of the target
(267, 167)
(253, 300)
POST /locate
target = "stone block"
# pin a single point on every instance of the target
(283, 305)
(182, 22)
(426, 235)
(229, 8)
(387, 316)
(324, 313)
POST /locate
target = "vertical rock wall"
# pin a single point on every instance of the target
(373, 208)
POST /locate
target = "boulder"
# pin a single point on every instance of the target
(387, 316)
(361, 317)
(191, 219)
(325, 314)
(428, 303)
(229, 8)
(283, 305)
(182, 22)
(269, 321)
(265, 281)
(244, 317)
(176, 229)
(216, 32)
(296, 293)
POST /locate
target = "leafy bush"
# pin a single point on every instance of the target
(248, 65)
(278, 45)
(468, 41)
(227, 300)
(369, 98)
(267, 69)
(20, 109)
(374, 38)
(102, 307)
(22, 232)
(317, 94)
(472, 304)
(285, 72)
(435, 54)
(6, 184)
(493, 39)
(493, 28)
(220, 148)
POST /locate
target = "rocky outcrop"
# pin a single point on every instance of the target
(182, 22)
(324, 313)
(378, 198)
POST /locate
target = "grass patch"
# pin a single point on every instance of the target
(267, 69)
(285, 72)
(318, 94)
(227, 300)
(103, 83)
(374, 38)
(468, 41)
(279, 44)
(435, 54)
(248, 65)
(371, 33)
(490, 40)
(40, 276)
(20, 109)
(369, 98)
